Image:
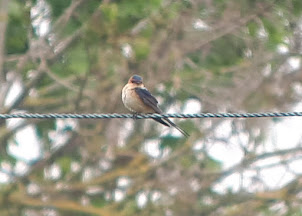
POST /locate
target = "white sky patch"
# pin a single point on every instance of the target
(94, 190)
(229, 155)
(192, 106)
(21, 168)
(75, 166)
(40, 15)
(33, 189)
(4, 177)
(232, 182)
(297, 87)
(26, 145)
(237, 181)
(247, 180)
(6, 166)
(248, 53)
(14, 91)
(173, 109)
(126, 129)
(171, 130)
(127, 50)
(224, 130)
(61, 134)
(198, 145)
(282, 48)
(88, 174)
(267, 162)
(108, 195)
(282, 135)
(105, 164)
(142, 199)
(123, 182)
(195, 185)
(286, 133)
(84, 200)
(295, 62)
(160, 87)
(198, 24)
(276, 177)
(5, 172)
(228, 151)
(152, 148)
(267, 70)
(262, 33)
(53, 172)
(296, 166)
(155, 196)
(51, 212)
(119, 195)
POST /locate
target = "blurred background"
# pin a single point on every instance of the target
(75, 56)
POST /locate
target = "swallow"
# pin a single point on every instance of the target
(138, 99)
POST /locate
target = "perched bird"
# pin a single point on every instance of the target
(138, 99)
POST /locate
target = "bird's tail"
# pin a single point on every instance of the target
(175, 126)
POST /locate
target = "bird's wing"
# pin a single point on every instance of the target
(148, 99)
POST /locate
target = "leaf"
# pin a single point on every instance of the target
(141, 48)
(58, 6)
(170, 141)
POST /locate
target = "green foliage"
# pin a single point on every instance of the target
(70, 28)
(141, 48)
(64, 163)
(225, 52)
(130, 12)
(109, 19)
(58, 6)
(76, 60)
(187, 161)
(189, 126)
(148, 31)
(131, 207)
(110, 13)
(136, 8)
(44, 127)
(99, 201)
(170, 141)
(253, 29)
(16, 40)
(297, 7)
(275, 33)
(211, 164)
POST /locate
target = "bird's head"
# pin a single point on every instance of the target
(136, 79)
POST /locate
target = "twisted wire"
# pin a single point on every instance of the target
(144, 116)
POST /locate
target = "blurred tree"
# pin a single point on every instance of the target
(76, 55)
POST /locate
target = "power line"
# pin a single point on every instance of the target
(144, 116)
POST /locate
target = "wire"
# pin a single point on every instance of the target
(144, 116)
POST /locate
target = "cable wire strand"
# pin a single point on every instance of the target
(145, 116)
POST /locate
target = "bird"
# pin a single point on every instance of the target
(137, 99)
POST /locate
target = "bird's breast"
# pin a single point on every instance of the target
(133, 102)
